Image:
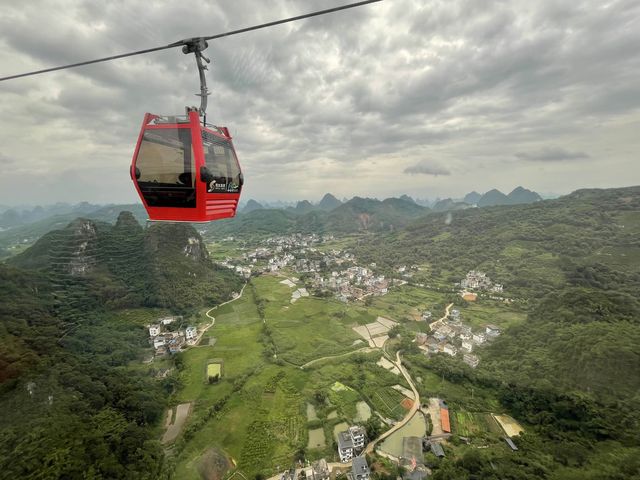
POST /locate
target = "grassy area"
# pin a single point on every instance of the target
(307, 329)
(214, 369)
(221, 250)
(262, 423)
(408, 302)
(468, 424)
(483, 312)
(627, 257)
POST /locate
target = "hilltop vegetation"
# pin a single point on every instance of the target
(356, 215)
(166, 265)
(572, 370)
(74, 407)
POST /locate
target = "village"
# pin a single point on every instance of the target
(450, 334)
(333, 271)
(165, 339)
(311, 269)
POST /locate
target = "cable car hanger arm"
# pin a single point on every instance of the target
(186, 42)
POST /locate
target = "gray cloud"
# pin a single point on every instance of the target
(426, 168)
(309, 103)
(551, 154)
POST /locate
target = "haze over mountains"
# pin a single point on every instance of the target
(493, 197)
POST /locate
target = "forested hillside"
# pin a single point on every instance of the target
(72, 405)
(572, 370)
(166, 265)
(358, 215)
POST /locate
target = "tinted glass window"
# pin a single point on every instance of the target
(165, 168)
(222, 164)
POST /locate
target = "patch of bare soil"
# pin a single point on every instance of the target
(213, 465)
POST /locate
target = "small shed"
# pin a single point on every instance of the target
(437, 450)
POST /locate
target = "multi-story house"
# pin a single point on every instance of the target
(191, 333)
(471, 360)
(351, 442)
(360, 469)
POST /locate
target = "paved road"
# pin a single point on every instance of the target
(414, 408)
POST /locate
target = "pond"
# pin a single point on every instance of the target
(416, 427)
(311, 413)
(341, 427)
(364, 412)
(316, 438)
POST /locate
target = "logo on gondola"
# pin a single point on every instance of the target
(217, 186)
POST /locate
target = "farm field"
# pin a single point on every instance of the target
(257, 413)
(483, 312)
(468, 424)
(265, 409)
(510, 426)
(408, 302)
(213, 369)
(308, 329)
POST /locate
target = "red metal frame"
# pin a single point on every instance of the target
(209, 206)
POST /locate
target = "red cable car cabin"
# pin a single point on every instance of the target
(185, 171)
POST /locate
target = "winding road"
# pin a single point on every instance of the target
(213, 319)
(363, 350)
(433, 325)
(412, 411)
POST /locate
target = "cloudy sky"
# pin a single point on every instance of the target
(429, 98)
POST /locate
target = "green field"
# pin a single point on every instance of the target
(309, 329)
(256, 414)
(468, 424)
(408, 302)
(483, 312)
(214, 369)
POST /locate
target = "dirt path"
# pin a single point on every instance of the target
(434, 412)
(436, 324)
(414, 408)
(363, 349)
(213, 319)
(174, 429)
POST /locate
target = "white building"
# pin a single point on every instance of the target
(191, 333)
(479, 338)
(450, 349)
(471, 360)
(158, 342)
(345, 447)
(350, 443)
(492, 330)
(167, 320)
(358, 435)
(154, 330)
(467, 346)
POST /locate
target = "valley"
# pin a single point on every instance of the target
(491, 343)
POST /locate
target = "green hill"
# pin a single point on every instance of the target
(574, 260)
(356, 215)
(492, 198)
(122, 265)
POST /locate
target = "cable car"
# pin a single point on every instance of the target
(186, 170)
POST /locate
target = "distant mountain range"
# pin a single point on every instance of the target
(357, 214)
(491, 198)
